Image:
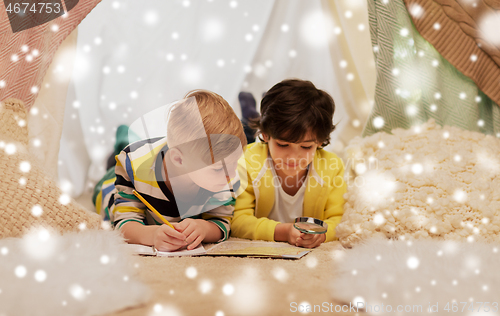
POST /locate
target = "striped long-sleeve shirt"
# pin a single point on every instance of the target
(139, 167)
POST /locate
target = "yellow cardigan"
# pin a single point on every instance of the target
(323, 198)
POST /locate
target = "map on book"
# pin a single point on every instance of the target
(257, 249)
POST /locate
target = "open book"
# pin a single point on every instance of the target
(149, 251)
(261, 249)
(246, 248)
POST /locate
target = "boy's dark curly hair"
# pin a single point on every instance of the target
(293, 108)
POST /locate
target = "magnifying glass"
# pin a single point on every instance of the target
(310, 225)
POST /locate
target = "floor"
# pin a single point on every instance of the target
(238, 286)
(223, 286)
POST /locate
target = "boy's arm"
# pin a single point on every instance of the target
(136, 233)
(129, 213)
(219, 218)
(334, 208)
(163, 237)
(126, 206)
(245, 224)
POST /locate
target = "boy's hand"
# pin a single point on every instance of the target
(167, 239)
(310, 240)
(194, 231)
(299, 239)
(293, 234)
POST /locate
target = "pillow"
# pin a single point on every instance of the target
(426, 182)
(28, 197)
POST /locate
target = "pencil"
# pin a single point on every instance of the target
(143, 200)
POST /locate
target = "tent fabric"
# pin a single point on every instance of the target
(165, 49)
(416, 83)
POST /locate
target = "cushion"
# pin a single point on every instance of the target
(428, 182)
(28, 197)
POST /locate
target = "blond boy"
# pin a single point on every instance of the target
(185, 176)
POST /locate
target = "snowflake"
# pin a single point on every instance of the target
(205, 286)
(416, 11)
(151, 18)
(191, 272)
(104, 259)
(413, 263)
(379, 219)
(64, 199)
(228, 289)
(489, 25)
(40, 275)
(311, 262)
(378, 122)
(20, 271)
(191, 74)
(417, 168)
(411, 110)
(36, 210)
(314, 29)
(77, 292)
(460, 196)
(304, 307)
(25, 166)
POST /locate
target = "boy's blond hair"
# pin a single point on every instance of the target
(200, 114)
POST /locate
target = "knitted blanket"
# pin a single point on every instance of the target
(26, 55)
(466, 34)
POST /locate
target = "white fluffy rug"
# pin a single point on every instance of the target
(419, 274)
(86, 273)
(428, 182)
